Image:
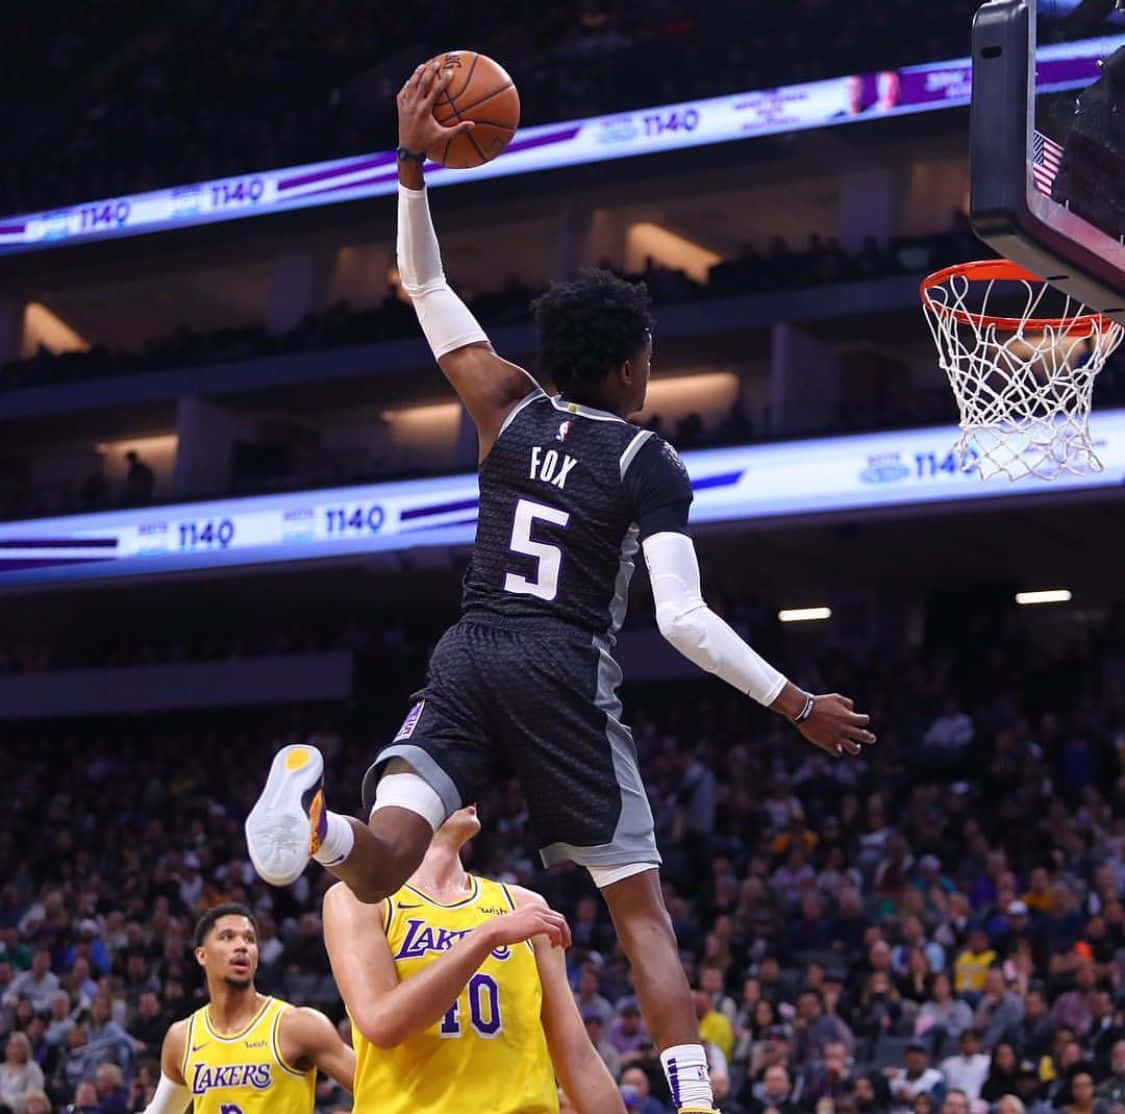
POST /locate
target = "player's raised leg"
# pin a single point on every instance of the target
(291, 823)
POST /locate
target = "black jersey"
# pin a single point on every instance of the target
(567, 495)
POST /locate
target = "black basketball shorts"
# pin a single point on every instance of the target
(501, 701)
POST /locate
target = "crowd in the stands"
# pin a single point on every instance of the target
(779, 266)
(120, 97)
(937, 927)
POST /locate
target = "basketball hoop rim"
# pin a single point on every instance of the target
(992, 270)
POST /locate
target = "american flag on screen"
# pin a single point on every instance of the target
(1046, 156)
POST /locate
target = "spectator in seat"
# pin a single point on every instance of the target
(915, 1078)
(1035, 1033)
(149, 1024)
(113, 1096)
(714, 1028)
(85, 1099)
(880, 1008)
(968, 1069)
(589, 998)
(1075, 1008)
(1001, 1074)
(595, 1030)
(1009, 1104)
(774, 1093)
(636, 1081)
(19, 1073)
(1113, 1088)
(140, 481)
(36, 1102)
(871, 1095)
(914, 939)
(627, 1033)
(814, 1030)
(711, 982)
(970, 969)
(60, 1022)
(831, 1079)
(72, 1063)
(38, 985)
(955, 1102)
(1083, 1094)
(999, 1012)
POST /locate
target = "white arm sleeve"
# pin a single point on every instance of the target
(170, 1098)
(446, 321)
(694, 629)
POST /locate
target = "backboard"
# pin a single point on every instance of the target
(1048, 142)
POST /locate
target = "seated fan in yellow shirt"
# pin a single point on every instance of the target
(458, 996)
(244, 1053)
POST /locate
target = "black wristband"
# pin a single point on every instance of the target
(410, 156)
(807, 710)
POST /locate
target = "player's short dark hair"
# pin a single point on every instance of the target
(588, 327)
(227, 909)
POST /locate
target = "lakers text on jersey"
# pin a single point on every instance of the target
(244, 1073)
(488, 1054)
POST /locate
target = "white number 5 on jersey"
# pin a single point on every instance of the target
(546, 583)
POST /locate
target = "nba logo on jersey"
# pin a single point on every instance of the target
(564, 429)
(411, 722)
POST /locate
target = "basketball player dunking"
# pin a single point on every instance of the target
(457, 991)
(569, 491)
(244, 1053)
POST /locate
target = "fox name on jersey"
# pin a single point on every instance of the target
(550, 466)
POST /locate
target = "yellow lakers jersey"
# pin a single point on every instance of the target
(488, 1054)
(244, 1073)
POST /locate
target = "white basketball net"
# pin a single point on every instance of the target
(1023, 383)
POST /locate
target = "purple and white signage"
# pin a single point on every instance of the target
(898, 468)
(724, 119)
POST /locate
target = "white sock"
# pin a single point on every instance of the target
(337, 842)
(685, 1066)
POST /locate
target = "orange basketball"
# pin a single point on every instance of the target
(480, 90)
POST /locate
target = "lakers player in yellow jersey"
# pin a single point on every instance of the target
(458, 996)
(244, 1052)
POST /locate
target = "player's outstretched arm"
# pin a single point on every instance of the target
(659, 491)
(309, 1039)
(387, 1011)
(488, 386)
(582, 1072)
(829, 721)
(172, 1096)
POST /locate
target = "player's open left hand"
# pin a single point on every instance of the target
(417, 128)
(836, 727)
(528, 921)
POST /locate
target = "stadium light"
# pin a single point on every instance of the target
(804, 614)
(1049, 595)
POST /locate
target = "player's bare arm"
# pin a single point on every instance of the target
(307, 1039)
(582, 1072)
(488, 386)
(387, 1011)
(172, 1093)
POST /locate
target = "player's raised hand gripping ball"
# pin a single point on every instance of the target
(461, 108)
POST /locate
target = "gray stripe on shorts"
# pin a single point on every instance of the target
(424, 765)
(634, 838)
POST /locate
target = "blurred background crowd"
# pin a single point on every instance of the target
(125, 97)
(938, 927)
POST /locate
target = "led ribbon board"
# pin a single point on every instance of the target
(723, 119)
(894, 469)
